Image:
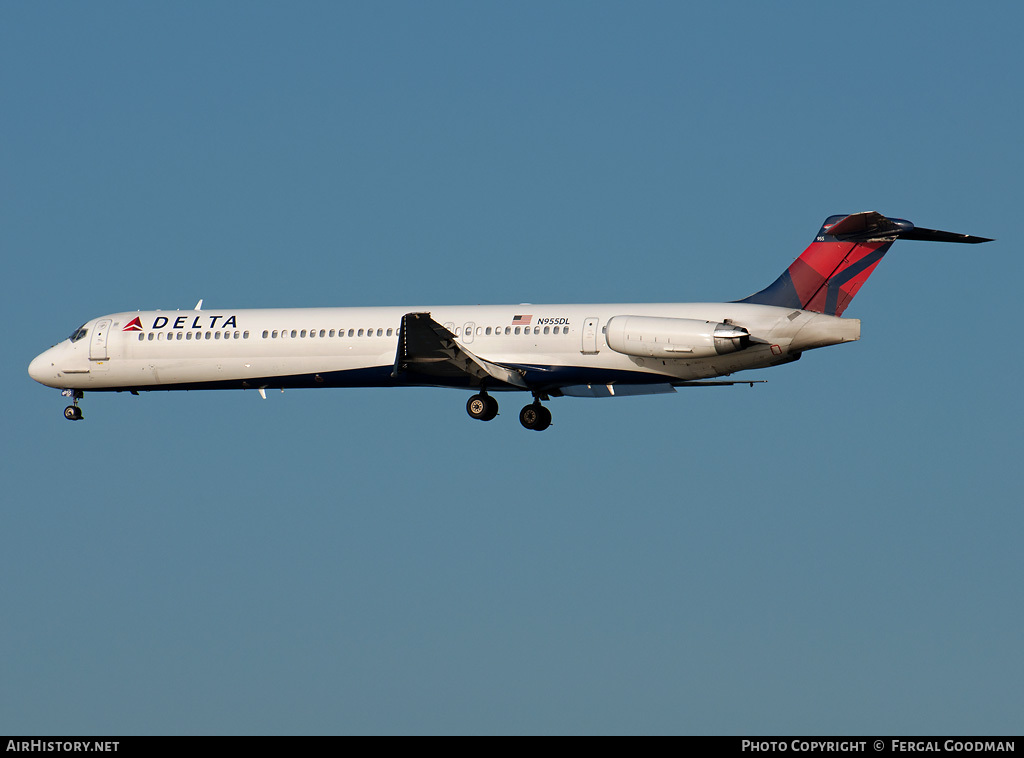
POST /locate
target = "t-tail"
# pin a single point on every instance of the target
(843, 255)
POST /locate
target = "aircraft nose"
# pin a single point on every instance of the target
(42, 368)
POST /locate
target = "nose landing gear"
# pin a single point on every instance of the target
(73, 412)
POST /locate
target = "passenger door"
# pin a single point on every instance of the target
(98, 344)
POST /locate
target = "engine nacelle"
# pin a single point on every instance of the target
(656, 337)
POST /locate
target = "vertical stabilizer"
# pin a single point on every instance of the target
(842, 256)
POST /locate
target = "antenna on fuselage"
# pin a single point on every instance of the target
(199, 305)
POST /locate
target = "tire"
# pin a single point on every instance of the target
(535, 416)
(482, 407)
(544, 420)
(72, 413)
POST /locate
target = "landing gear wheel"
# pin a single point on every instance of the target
(482, 407)
(535, 416)
(73, 413)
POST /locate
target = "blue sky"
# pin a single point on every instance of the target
(835, 551)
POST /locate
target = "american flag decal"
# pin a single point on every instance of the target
(522, 320)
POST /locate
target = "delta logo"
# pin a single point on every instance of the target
(180, 322)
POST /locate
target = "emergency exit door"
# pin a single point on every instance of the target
(589, 346)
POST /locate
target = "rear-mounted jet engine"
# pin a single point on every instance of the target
(655, 337)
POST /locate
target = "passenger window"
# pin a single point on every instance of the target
(322, 332)
(352, 333)
(487, 331)
(517, 330)
(479, 331)
(293, 333)
(302, 333)
(141, 336)
(245, 334)
(188, 335)
(216, 335)
(151, 336)
(208, 335)
(331, 333)
(508, 330)
(380, 332)
(360, 332)
(389, 332)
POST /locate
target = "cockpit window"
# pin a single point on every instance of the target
(78, 333)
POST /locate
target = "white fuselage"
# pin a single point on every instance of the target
(552, 346)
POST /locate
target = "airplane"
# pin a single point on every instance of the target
(596, 350)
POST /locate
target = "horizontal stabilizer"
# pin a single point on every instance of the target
(871, 225)
(934, 235)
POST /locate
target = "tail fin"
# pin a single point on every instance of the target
(843, 255)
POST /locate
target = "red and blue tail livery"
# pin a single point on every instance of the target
(548, 351)
(844, 253)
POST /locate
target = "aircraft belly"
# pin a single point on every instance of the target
(143, 373)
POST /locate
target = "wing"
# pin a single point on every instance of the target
(427, 349)
(626, 390)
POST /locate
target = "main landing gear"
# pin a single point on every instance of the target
(534, 416)
(482, 407)
(73, 412)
